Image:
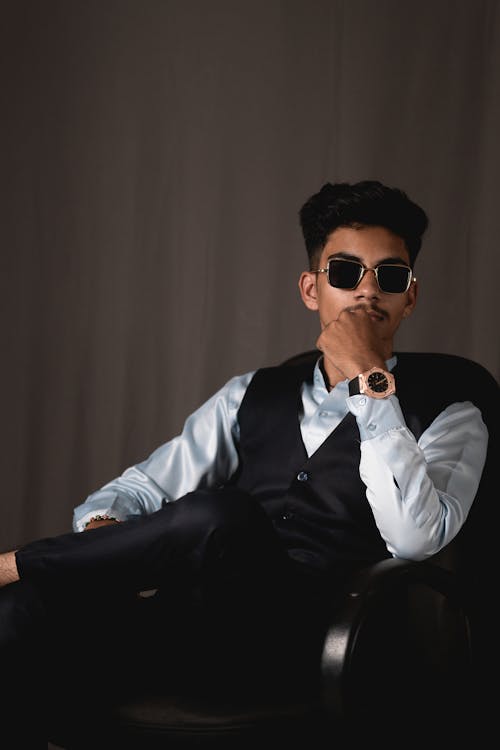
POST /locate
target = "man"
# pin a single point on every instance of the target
(279, 485)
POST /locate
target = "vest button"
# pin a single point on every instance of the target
(302, 476)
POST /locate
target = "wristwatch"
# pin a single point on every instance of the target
(376, 383)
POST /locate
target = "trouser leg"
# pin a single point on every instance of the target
(219, 568)
(67, 657)
(23, 620)
(208, 535)
(214, 556)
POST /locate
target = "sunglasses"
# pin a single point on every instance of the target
(391, 278)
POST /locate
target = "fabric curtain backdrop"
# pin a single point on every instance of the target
(155, 154)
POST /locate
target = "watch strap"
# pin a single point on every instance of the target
(354, 386)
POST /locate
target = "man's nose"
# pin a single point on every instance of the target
(368, 286)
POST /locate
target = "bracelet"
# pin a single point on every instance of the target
(101, 518)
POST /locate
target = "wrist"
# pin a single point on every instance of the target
(376, 382)
(100, 520)
(363, 366)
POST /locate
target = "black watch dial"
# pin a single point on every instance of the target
(378, 382)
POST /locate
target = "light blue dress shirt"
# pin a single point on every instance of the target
(420, 491)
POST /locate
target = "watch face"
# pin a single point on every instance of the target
(378, 382)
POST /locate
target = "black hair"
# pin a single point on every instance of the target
(366, 203)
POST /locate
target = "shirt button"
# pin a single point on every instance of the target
(362, 401)
(372, 426)
(302, 476)
(323, 414)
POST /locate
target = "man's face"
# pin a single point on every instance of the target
(371, 245)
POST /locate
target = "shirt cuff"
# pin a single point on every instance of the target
(376, 416)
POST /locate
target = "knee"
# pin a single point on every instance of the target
(231, 510)
(207, 526)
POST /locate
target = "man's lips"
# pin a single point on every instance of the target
(375, 315)
(374, 312)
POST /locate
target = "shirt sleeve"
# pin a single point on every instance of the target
(420, 492)
(203, 455)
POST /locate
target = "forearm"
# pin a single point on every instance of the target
(203, 455)
(97, 521)
(421, 493)
(118, 500)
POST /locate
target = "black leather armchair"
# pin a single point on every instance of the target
(408, 650)
(400, 642)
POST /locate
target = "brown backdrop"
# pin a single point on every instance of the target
(155, 154)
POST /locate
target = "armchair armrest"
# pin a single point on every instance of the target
(391, 616)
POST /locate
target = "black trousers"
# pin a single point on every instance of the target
(230, 609)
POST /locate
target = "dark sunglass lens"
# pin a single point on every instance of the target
(343, 274)
(393, 279)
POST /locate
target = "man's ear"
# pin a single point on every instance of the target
(308, 289)
(411, 299)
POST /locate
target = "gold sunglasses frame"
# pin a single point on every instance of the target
(363, 270)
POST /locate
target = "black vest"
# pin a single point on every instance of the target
(318, 504)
